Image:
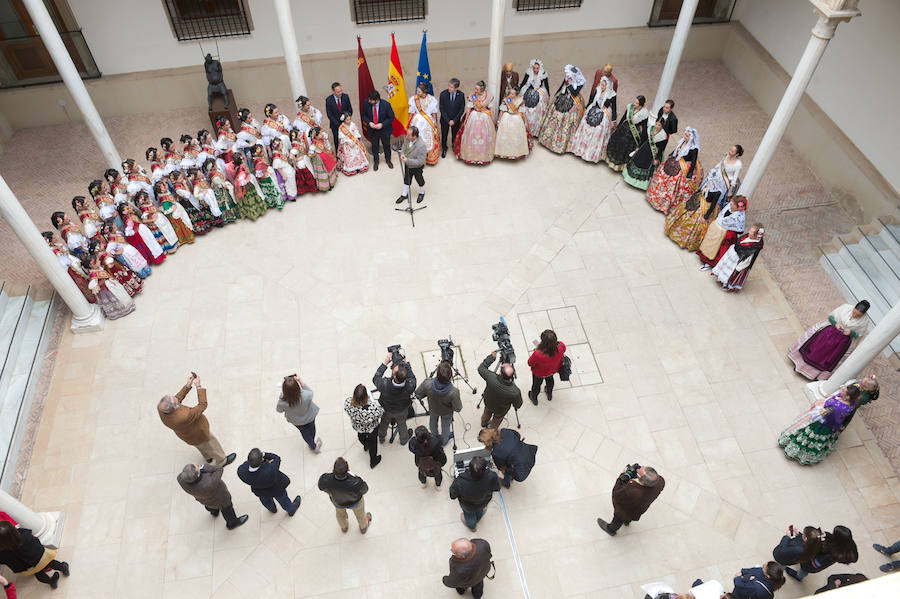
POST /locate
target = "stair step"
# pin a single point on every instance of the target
(9, 319)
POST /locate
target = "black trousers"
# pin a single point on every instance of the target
(616, 523)
(334, 138)
(382, 137)
(536, 384)
(477, 590)
(370, 443)
(445, 127)
(227, 513)
(414, 171)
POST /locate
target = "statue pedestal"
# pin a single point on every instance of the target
(219, 111)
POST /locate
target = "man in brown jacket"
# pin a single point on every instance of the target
(631, 497)
(190, 425)
(204, 483)
(470, 563)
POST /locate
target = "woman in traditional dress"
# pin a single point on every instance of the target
(250, 199)
(275, 126)
(308, 116)
(159, 225)
(140, 236)
(201, 216)
(868, 392)
(630, 133)
(687, 222)
(249, 135)
(351, 154)
(207, 148)
(118, 185)
(735, 265)
(513, 141)
(106, 205)
(137, 178)
(112, 298)
(642, 164)
(178, 217)
(592, 134)
(90, 220)
(118, 246)
(129, 281)
(157, 167)
(823, 346)
(303, 168)
(723, 232)
(223, 189)
(190, 152)
(287, 175)
(265, 176)
(474, 143)
(679, 176)
(70, 233)
(535, 93)
(323, 162)
(565, 112)
(205, 196)
(423, 113)
(225, 142)
(814, 433)
(71, 264)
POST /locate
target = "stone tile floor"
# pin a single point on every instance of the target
(694, 381)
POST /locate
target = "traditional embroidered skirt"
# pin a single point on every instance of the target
(306, 181)
(685, 224)
(82, 284)
(251, 205)
(512, 141)
(274, 199)
(819, 351)
(558, 128)
(324, 170)
(229, 208)
(810, 444)
(200, 219)
(185, 235)
(589, 142)
(534, 117)
(474, 143)
(168, 248)
(137, 242)
(130, 282)
(352, 159)
(640, 167)
(715, 243)
(621, 145)
(669, 187)
(114, 300)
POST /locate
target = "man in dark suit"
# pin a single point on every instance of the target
(670, 121)
(204, 483)
(335, 105)
(452, 104)
(378, 116)
(469, 564)
(268, 483)
(631, 497)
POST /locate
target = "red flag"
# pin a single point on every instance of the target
(365, 85)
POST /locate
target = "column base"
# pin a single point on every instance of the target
(50, 534)
(815, 391)
(89, 324)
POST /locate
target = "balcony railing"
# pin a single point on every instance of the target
(25, 61)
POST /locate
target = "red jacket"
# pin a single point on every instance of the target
(543, 365)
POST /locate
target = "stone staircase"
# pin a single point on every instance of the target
(25, 314)
(865, 264)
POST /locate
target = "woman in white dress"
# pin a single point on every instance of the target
(276, 126)
(118, 246)
(592, 134)
(250, 134)
(225, 142)
(308, 116)
(512, 141)
(535, 94)
(423, 113)
(90, 220)
(352, 155)
(287, 176)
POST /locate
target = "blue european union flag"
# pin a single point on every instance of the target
(423, 75)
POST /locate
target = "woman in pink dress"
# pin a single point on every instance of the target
(592, 134)
(352, 155)
(474, 144)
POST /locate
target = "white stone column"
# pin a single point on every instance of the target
(679, 38)
(868, 349)
(86, 317)
(495, 56)
(291, 50)
(69, 73)
(46, 526)
(831, 13)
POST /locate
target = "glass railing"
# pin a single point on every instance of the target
(25, 61)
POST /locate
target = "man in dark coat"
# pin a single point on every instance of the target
(631, 497)
(759, 582)
(346, 491)
(204, 483)
(470, 563)
(395, 397)
(500, 391)
(452, 104)
(508, 78)
(670, 121)
(335, 105)
(429, 456)
(378, 116)
(474, 488)
(268, 483)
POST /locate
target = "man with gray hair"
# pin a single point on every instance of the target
(190, 425)
(634, 491)
(470, 563)
(500, 391)
(204, 483)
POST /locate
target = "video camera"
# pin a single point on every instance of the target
(462, 457)
(504, 344)
(631, 472)
(396, 357)
(446, 350)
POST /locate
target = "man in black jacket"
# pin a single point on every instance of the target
(452, 104)
(500, 391)
(335, 105)
(346, 491)
(470, 563)
(378, 116)
(268, 483)
(474, 488)
(670, 121)
(395, 397)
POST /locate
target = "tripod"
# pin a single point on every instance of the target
(411, 413)
(412, 210)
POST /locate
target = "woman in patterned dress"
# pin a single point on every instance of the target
(224, 191)
(629, 134)
(199, 214)
(679, 176)
(129, 281)
(137, 178)
(249, 198)
(323, 162)
(365, 415)
(90, 220)
(71, 264)
(308, 116)
(249, 135)
(303, 168)
(159, 225)
(512, 141)
(178, 217)
(225, 142)
(106, 205)
(592, 134)
(205, 195)
(112, 298)
(813, 435)
(823, 346)
(287, 175)
(265, 176)
(121, 250)
(474, 143)
(565, 112)
(723, 232)
(535, 93)
(734, 267)
(140, 237)
(70, 233)
(352, 155)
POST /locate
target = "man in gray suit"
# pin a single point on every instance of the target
(412, 155)
(204, 483)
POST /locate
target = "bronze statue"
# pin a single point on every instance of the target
(216, 84)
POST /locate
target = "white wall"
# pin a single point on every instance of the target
(144, 38)
(856, 82)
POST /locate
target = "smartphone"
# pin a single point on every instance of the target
(791, 530)
(194, 374)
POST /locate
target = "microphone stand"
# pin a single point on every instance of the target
(412, 210)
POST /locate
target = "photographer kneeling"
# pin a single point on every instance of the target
(395, 397)
(500, 391)
(635, 489)
(511, 454)
(443, 400)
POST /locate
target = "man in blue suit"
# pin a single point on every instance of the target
(378, 116)
(335, 105)
(267, 482)
(452, 104)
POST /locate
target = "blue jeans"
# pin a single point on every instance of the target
(472, 518)
(283, 500)
(445, 425)
(308, 432)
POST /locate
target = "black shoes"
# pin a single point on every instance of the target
(400, 200)
(214, 513)
(375, 168)
(64, 568)
(390, 164)
(54, 580)
(549, 395)
(532, 397)
(236, 523)
(420, 199)
(295, 505)
(444, 155)
(605, 526)
(230, 458)
(375, 462)
(881, 549)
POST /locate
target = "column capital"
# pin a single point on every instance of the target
(831, 13)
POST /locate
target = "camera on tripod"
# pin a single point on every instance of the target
(504, 344)
(446, 350)
(631, 472)
(396, 357)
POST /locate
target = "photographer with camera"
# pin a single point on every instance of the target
(474, 488)
(443, 400)
(500, 391)
(635, 489)
(395, 393)
(429, 456)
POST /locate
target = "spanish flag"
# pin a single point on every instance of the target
(396, 91)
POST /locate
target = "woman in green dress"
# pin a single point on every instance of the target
(265, 175)
(812, 436)
(224, 191)
(246, 192)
